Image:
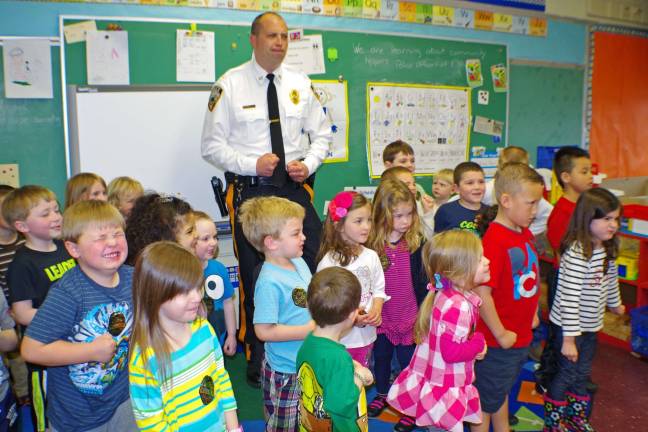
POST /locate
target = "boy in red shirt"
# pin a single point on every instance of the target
(573, 169)
(510, 298)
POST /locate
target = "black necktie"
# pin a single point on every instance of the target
(279, 175)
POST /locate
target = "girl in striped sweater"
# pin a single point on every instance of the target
(178, 381)
(587, 283)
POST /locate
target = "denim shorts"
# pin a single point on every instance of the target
(496, 374)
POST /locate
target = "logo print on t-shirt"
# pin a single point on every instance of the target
(214, 287)
(93, 378)
(299, 297)
(524, 267)
(206, 390)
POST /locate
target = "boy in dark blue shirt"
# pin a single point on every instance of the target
(81, 331)
(470, 185)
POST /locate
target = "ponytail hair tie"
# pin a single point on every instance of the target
(440, 282)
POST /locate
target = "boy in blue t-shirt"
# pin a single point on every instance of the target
(274, 226)
(81, 331)
(218, 288)
(470, 185)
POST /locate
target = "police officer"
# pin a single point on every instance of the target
(261, 150)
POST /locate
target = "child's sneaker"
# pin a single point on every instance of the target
(377, 405)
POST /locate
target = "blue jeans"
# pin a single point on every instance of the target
(383, 351)
(572, 376)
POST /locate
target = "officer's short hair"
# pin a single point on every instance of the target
(256, 24)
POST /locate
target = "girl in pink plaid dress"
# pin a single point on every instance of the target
(436, 388)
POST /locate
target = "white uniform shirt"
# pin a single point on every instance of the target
(236, 131)
(367, 268)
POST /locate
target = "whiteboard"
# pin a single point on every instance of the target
(150, 133)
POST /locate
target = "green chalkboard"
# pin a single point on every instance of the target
(31, 134)
(361, 57)
(546, 107)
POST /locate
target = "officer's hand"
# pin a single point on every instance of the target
(297, 171)
(266, 164)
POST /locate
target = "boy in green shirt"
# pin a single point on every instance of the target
(332, 384)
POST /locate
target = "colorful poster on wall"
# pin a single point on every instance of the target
(27, 69)
(502, 22)
(333, 7)
(442, 15)
(434, 120)
(371, 9)
(520, 25)
(352, 8)
(332, 94)
(464, 18)
(389, 10)
(484, 20)
(474, 73)
(407, 11)
(500, 81)
(315, 7)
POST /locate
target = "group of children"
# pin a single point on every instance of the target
(406, 274)
(109, 347)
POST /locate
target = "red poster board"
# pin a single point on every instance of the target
(619, 126)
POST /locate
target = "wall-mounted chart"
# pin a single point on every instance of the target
(434, 120)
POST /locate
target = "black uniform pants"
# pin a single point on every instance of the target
(250, 260)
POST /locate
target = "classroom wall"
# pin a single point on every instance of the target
(613, 9)
(565, 43)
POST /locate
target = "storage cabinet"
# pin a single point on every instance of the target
(641, 283)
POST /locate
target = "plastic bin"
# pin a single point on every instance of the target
(639, 330)
(545, 156)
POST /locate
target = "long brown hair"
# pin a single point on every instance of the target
(332, 239)
(389, 194)
(454, 255)
(163, 270)
(592, 204)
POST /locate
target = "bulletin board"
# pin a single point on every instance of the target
(359, 58)
(33, 129)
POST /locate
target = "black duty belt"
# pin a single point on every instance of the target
(251, 181)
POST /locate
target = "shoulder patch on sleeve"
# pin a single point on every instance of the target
(214, 96)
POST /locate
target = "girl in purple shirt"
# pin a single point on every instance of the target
(396, 235)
